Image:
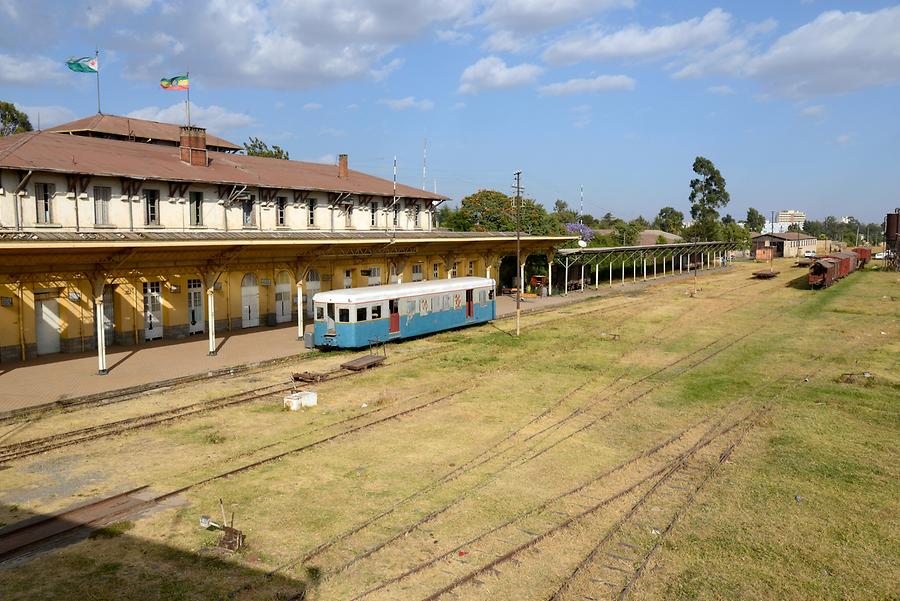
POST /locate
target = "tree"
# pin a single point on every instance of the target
(257, 148)
(755, 220)
(708, 193)
(627, 233)
(493, 211)
(12, 120)
(727, 219)
(669, 220)
(794, 227)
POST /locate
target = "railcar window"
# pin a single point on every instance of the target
(361, 314)
(491, 294)
(344, 315)
(410, 307)
(320, 313)
(445, 303)
(376, 311)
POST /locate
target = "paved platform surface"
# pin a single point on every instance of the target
(69, 375)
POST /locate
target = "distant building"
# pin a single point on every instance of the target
(783, 221)
(786, 244)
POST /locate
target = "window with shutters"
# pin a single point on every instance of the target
(102, 195)
(43, 201)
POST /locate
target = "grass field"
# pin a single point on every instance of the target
(652, 445)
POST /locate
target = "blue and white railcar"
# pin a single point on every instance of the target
(354, 317)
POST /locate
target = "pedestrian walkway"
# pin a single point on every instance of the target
(73, 375)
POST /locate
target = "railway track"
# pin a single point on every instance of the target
(645, 486)
(495, 452)
(241, 397)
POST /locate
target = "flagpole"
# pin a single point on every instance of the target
(188, 75)
(97, 58)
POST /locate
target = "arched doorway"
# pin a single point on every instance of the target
(283, 297)
(249, 301)
(313, 285)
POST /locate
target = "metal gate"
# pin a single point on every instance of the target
(195, 307)
(153, 327)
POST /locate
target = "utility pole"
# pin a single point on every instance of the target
(581, 206)
(521, 287)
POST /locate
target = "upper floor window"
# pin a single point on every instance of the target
(249, 211)
(195, 206)
(281, 210)
(102, 195)
(43, 200)
(151, 207)
(373, 214)
(348, 216)
(312, 211)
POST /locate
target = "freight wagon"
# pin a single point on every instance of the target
(826, 271)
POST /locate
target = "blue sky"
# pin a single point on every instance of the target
(794, 100)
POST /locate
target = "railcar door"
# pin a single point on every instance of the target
(329, 320)
(470, 304)
(394, 327)
(153, 329)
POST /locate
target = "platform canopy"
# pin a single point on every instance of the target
(612, 255)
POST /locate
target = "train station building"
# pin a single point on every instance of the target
(164, 232)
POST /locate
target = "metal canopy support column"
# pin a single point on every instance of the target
(582, 277)
(654, 267)
(644, 264)
(566, 281)
(549, 275)
(597, 276)
(623, 271)
(610, 273)
(98, 284)
(209, 281)
(634, 270)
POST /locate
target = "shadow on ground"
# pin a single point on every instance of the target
(111, 564)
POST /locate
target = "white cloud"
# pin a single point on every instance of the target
(635, 42)
(312, 106)
(99, 10)
(816, 110)
(601, 83)
(458, 106)
(583, 114)
(382, 73)
(844, 138)
(540, 15)
(352, 107)
(326, 158)
(285, 44)
(453, 36)
(410, 102)
(47, 116)
(31, 71)
(722, 90)
(491, 73)
(837, 52)
(213, 117)
(506, 41)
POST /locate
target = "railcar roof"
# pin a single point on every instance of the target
(375, 293)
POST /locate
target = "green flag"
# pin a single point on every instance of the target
(85, 64)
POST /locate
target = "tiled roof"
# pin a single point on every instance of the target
(139, 129)
(115, 158)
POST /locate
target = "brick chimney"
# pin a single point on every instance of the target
(193, 146)
(343, 168)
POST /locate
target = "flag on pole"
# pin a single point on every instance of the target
(179, 82)
(85, 64)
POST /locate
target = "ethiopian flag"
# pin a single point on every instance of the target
(179, 82)
(85, 64)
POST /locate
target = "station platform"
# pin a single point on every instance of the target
(67, 376)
